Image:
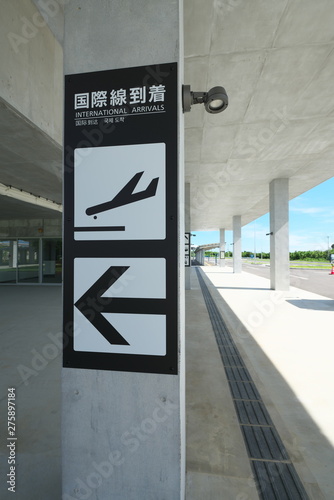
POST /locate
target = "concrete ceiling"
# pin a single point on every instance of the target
(276, 60)
(31, 161)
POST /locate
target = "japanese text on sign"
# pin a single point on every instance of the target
(119, 97)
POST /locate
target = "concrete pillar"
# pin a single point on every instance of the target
(237, 263)
(187, 225)
(279, 240)
(222, 247)
(123, 433)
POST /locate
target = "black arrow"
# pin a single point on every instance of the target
(92, 305)
(126, 195)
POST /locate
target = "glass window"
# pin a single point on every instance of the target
(28, 261)
(8, 261)
(52, 260)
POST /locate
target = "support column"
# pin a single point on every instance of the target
(279, 239)
(123, 433)
(201, 257)
(187, 224)
(237, 263)
(222, 247)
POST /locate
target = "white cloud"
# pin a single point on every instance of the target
(310, 210)
(311, 241)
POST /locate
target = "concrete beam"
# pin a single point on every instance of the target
(53, 14)
(19, 194)
(31, 67)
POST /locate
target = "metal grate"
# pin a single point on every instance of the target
(278, 481)
(275, 475)
(252, 412)
(264, 442)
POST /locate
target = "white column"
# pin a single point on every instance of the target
(222, 247)
(123, 433)
(237, 263)
(201, 254)
(279, 239)
(187, 224)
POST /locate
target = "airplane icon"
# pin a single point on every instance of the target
(126, 195)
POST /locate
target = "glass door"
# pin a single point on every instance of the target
(8, 261)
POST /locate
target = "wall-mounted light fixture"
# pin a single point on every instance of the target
(215, 100)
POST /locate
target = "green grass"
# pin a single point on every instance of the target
(327, 266)
(296, 264)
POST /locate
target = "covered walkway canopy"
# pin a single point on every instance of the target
(275, 60)
(201, 249)
(274, 142)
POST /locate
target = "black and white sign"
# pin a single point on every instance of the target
(120, 306)
(121, 220)
(119, 192)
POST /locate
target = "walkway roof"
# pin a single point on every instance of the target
(276, 60)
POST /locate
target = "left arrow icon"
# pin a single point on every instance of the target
(92, 304)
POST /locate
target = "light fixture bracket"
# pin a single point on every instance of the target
(215, 100)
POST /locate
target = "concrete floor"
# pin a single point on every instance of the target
(217, 461)
(286, 341)
(30, 361)
(286, 344)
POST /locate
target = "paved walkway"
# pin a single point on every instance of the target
(286, 340)
(287, 343)
(30, 361)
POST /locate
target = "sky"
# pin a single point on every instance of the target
(311, 224)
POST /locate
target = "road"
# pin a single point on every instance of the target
(318, 281)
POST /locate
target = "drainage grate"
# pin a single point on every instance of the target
(278, 481)
(252, 412)
(264, 442)
(276, 477)
(237, 374)
(244, 390)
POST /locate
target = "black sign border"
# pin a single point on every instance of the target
(139, 129)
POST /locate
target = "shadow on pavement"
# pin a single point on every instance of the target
(317, 305)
